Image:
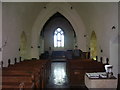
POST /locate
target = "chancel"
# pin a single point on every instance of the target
(46, 45)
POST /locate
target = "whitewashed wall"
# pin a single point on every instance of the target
(106, 18)
(114, 55)
(119, 38)
(17, 17)
(12, 28)
(0, 31)
(0, 40)
(119, 53)
(101, 17)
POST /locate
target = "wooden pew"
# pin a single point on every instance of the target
(78, 68)
(14, 81)
(30, 68)
(16, 86)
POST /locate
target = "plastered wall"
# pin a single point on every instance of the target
(0, 31)
(114, 55)
(119, 38)
(101, 17)
(106, 18)
(11, 33)
(0, 40)
(17, 17)
(119, 53)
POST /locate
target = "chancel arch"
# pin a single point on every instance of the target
(71, 15)
(58, 33)
(23, 44)
(93, 46)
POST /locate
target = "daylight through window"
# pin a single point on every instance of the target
(58, 38)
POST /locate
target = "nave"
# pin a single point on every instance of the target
(32, 30)
(47, 74)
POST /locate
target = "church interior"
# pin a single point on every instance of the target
(46, 45)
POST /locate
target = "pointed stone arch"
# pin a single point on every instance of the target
(70, 14)
(23, 44)
(93, 45)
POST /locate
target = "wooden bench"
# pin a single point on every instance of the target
(19, 80)
(28, 73)
(78, 68)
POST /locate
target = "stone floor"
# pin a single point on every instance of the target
(59, 79)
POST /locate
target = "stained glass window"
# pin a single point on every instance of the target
(58, 38)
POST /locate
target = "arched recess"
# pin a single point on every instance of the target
(41, 43)
(70, 14)
(58, 21)
(93, 45)
(23, 44)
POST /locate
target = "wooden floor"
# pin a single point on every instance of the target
(59, 78)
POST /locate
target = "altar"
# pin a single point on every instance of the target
(100, 81)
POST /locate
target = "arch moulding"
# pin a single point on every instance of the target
(70, 14)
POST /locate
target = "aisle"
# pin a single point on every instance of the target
(58, 77)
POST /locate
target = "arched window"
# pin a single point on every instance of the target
(93, 46)
(58, 38)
